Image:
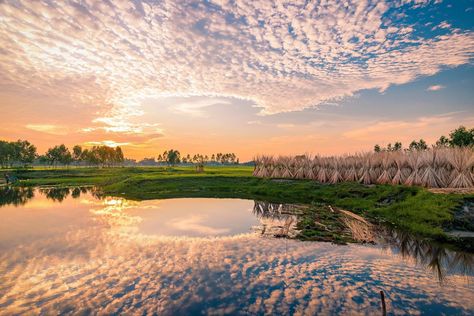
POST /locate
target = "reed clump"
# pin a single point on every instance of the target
(433, 168)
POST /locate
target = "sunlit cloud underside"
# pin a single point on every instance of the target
(283, 56)
(104, 60)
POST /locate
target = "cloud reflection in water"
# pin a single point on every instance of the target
(113, 267)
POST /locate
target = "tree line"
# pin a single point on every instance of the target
(174, 157)
(23, 153)
(459, 137)
(95, 156)
(20, 152)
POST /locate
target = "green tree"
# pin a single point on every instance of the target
(88, 157)
(420, 145)
(462, 137)
(172, 157)
(199, 161)
(377, 148)
(58, 155)
(65, 156)
(43, 159)
(397, 146)
(20, 152)
(119, 157)
(26, 152)
(443, 141)
(103, 156)
(6, 153)
(77, 153)
(52, 156)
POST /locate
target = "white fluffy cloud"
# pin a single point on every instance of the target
(436, 87)
(284, 55)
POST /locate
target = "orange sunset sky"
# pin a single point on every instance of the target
(284, 77)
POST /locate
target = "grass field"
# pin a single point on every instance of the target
(411, 208)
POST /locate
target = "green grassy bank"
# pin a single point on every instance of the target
(411, 208)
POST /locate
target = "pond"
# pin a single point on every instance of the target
(70, 250)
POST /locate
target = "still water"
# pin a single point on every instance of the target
(69, 251)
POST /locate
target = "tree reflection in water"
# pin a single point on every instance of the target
(433, 256)
(87, 255)
(279, 220)
(76, 193)
(440, 260)
(10, 195)
(59, 194)
(15, 195)
(55, 194)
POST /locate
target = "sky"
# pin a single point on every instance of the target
(250, 77)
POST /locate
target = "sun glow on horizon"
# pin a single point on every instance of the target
(207, 76)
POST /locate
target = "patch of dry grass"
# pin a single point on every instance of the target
(434, 168)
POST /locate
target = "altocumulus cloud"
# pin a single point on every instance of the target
(284, 55)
